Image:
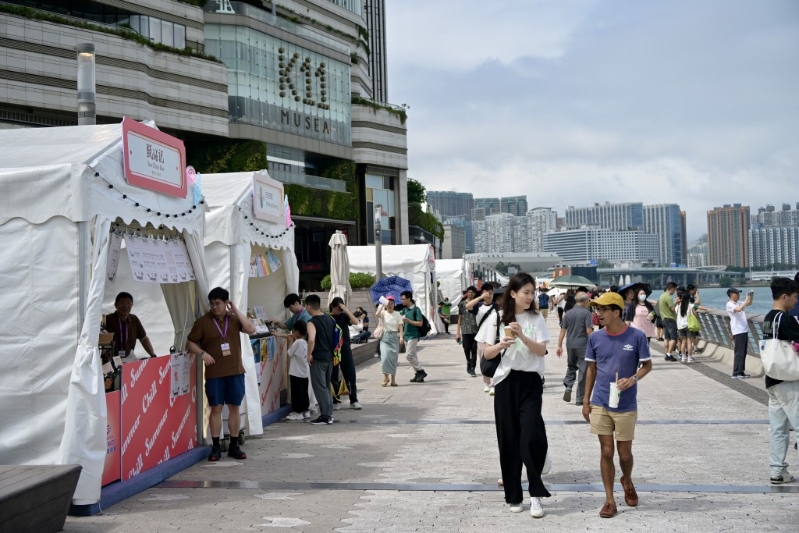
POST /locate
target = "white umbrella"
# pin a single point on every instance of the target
(339, 268)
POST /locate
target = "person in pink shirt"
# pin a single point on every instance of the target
(644, 315)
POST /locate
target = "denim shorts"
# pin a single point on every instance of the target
(226, 390)
(670, 329)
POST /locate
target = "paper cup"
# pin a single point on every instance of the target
(508, 331)
(613, 400)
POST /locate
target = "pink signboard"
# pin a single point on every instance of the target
(153, 160)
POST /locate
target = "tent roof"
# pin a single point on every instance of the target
(77, 172)
(396, 258)
(229, 198)
(449, 267)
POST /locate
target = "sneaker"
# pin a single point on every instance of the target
(744, 376)
(322, 420)
(699, 350)
(306, 415)
(422, 375)
(670, 357)
(491, 391)
(785, 477)
(683, 358)
(547, 465)
(486, 388)
(313, 409)
(567, 395)
(295, 417)
(472, 373)
(517, 507)
(691, 359)
(356, 406)
(216, 454)
(337, 406)
(235, 452)
(415, 377)
(536, 509)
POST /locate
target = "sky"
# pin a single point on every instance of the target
(573, 102)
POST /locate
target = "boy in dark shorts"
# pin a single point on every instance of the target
(216, 339)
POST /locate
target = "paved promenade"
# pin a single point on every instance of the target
(423, 457)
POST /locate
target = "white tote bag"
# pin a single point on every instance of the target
(779, 359)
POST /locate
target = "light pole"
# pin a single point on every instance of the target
(378, 242)
(87, 115)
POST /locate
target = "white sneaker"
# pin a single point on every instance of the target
(313, 409)
(517, 507)
(536, 509)
(491, 391)
(691, 359)
(295, 417)
(356, 406)
(306, 415)
(547, 465)
(337, 406)
(487, 388)
(684, 359)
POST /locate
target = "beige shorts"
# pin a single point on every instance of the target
(604, 422)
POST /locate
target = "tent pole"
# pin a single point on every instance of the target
(83, 270)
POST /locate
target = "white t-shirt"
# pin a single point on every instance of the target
(737, 319)
(488, 331)
(298, 359)
(518, 356)
(391, 321)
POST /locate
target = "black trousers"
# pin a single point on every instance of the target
(521, 433)
(739, 342)
(347, 366)
(470, 349)
(299, 394)
(560, 316)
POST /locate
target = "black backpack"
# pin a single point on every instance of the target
(424, 329)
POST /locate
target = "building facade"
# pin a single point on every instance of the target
(454, 245)
(697, 253)
(542, 220)
(667, 222)
(593, 243)
(770, 216)
(770, 246)
(619, 217)
(489, 206)
(515, 205)
(451, 203)
(728, 235)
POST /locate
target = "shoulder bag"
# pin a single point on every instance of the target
(488, 367)
(693, 323)
(779, 359)
(378, 332)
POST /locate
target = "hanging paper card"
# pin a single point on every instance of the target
(274, 262)
(113, 256)
(135, 258)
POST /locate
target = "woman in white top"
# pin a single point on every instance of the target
(521, 433)
(390, 341)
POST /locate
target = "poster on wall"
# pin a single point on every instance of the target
(267, 198)
(154, 260)
(180, 374)
(114, 248)
(112, 469)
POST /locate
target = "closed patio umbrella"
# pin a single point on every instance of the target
(339, 268)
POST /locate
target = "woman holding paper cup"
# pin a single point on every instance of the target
(518, 383)
(390, 341)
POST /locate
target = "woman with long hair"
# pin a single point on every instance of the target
(685, 343)
(518, 383)
(390, 341)
(643, 315)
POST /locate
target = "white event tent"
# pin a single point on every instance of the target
(451, 276)
(414, 262)
(61, 189)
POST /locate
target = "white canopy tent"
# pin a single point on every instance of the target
(451, 277)
(232, 236)
(61, 189)
(414, 262)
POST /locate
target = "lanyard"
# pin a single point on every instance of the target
(224, 335)
(123, 338)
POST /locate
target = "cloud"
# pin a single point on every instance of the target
(575, 102)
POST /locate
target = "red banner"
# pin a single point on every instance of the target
(112, 467)
(156, 426)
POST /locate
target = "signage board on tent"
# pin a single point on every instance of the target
(153, 160)
(267, 198)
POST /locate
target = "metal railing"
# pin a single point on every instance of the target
(716, 330)
(240, 8)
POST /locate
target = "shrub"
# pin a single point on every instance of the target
(358, 280)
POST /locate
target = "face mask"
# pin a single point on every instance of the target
(642, 297)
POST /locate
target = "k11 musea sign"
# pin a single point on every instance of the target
(156, 426)
(153, 160)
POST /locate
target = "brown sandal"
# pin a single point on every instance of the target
(630, 496)
(608, 510)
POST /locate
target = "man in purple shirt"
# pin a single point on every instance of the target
(613, 355)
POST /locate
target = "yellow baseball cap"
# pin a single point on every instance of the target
(609, 298)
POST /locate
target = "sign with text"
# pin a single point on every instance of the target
(156, 426)
(267, 198)
(153, 160)
(112, 467)
(272, 372)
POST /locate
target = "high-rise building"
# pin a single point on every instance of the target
(502, 233)
(454, 244)
(665, 221)
(542, 220)
(769, 217)
(621, 217)
(769, 246)
(728, 235)
(451, 203)
(515, 205)
(592, 243)
(374, 11)
(490, 205)
(697, 253)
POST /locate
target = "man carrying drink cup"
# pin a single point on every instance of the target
(613, 356)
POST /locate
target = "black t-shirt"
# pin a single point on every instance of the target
(343, 321)
(789, 331)
(325, 337)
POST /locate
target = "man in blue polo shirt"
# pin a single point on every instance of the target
(613, 355)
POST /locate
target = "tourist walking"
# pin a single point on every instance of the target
(478, 307)
(412, 318)
(614, 355)
(467, 329)
(669, 319)
(575, 329)
(740, 330)
(390, 341)
(521, 433)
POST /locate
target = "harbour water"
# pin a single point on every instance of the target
(716, 298)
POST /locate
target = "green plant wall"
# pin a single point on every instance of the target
(213, 157)
(327, 204)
